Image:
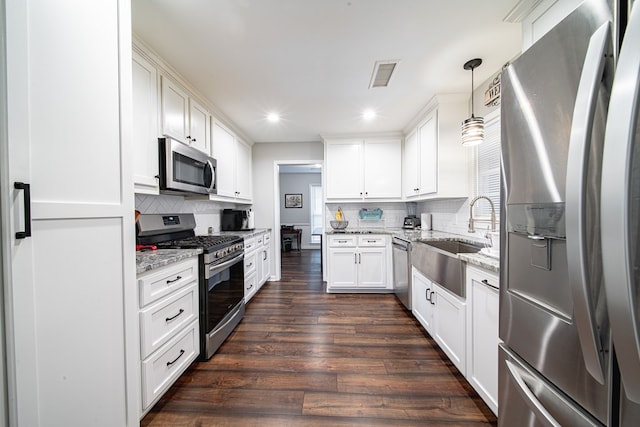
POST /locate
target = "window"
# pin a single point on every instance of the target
(488, 167)
(315, 196)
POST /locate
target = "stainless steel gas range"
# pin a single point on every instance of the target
(221, 273)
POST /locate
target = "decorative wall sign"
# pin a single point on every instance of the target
(492, 95)
(293, 200)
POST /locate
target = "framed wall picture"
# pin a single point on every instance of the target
(293, 200)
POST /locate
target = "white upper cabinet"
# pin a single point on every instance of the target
(175, 110)
(343, 159)
(382, 169)
(435, 162)
(199, 127)
(145, 125)
(233, 165)
(183, 118)
(359, 169)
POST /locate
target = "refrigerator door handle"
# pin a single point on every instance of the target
(530, 399)
(616, 201)
(576, 188)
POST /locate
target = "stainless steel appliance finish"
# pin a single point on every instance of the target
(438, 261)
(236, 220)
(556, 360)
(184, 169)
(402, 270)
(411, 222)
(221, 273)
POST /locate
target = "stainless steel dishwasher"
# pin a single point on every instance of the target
(402, 270)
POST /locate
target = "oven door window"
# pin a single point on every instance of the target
(224, 291)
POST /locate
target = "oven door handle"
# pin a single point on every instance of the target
(215, 269)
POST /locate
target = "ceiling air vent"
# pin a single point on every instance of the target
(382, 73)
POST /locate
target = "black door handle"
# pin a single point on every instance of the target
(27, 209)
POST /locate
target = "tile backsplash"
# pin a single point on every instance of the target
(452, 215)
(207, 213)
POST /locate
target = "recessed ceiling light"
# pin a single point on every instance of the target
(369, 115)
(273, 118)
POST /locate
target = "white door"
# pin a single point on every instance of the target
(175, 110)
(224, 151)
(383, 169)
(372, 272)
(70, 286)
(343, 268)
(428, 140)
(199, 127)
(343, 160)
(243, 171)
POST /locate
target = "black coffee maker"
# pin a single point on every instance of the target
(412, 220)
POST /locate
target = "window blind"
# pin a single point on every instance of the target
(488, 168)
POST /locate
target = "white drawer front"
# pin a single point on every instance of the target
(249, 244)
(160, 321)
(163, 367)
(249, 264)
(267, 239)
(344, 240)
(250, 286)
(156, 284)
(372, 240)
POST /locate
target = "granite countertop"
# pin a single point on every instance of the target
(244, 233)
(150, 260)
(481, 260)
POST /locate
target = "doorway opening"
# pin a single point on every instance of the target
(298, 209)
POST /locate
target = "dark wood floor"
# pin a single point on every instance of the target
(302, 357)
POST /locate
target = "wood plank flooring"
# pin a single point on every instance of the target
(302, 357)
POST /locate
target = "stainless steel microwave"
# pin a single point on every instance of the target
(184, 169)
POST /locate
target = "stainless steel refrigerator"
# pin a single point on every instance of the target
(570, 265)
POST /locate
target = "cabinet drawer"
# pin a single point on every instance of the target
(160, 321)
(250, 286)
(372, 240)
(157, 284)
(344, 240)
(259, 240)
(163, 367)
(267, 239)
(249, 264)
(249, 244)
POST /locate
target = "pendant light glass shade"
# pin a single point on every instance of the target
(473, 127)
(472, 131)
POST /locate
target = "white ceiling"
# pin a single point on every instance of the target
(311, 60)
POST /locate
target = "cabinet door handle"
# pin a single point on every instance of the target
(168, 319)
(174, 280)
(355, 258)
(431, 298)
(264, 256)
(359, 258)
(188, 136)
(27, 209)
(176, 359)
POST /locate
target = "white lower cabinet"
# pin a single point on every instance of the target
(443, 315)
(168, 321)
(358, 263)
(482, 340)
(250, 267)
(264, 261)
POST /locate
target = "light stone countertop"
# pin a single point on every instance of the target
(243, 233)
(150, 260)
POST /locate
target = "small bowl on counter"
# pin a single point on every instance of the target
(339, 225)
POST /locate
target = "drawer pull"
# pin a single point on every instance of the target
(342, 241)
(250, 264)
(169, 319)
(174, 280)
(176, 359)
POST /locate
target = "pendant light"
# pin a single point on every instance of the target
(473, 127)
